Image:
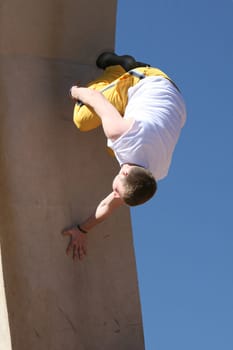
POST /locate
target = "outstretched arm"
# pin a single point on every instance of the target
(78, 239)
(113, 123)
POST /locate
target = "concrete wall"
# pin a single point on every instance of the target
(51, 176)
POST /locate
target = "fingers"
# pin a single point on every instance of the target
(84, 248)
(69, 247)
(77, 244)
(66, 233)
(78, 253)
(70, 93)
(73, 92)
(75, 252)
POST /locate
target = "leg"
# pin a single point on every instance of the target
(84, 116)
(113, 123)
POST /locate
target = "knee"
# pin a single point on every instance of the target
(85, 119)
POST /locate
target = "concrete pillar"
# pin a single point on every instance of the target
(51, 176)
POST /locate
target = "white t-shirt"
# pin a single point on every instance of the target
(159, 112)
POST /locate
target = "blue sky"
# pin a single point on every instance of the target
(184, 236)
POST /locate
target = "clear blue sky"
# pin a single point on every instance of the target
(184, 237)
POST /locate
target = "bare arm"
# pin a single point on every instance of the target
(78, 240)
(113, 123)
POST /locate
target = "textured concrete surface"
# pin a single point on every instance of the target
(51, 176)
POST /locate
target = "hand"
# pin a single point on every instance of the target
(74, 92)
(77, 244)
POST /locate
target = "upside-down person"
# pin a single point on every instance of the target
(142, 113)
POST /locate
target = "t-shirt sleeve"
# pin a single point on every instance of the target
(128, 147)
(126, 140)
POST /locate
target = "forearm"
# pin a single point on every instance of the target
(105, 208)
(113, 123)
(95, 100)
(88, 96)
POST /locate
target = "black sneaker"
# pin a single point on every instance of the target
(141, 64)
(107, 59)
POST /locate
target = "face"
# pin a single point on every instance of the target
(117, 185)
(118, 182)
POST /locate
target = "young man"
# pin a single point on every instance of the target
(142, 113)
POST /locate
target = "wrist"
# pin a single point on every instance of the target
(81, 229)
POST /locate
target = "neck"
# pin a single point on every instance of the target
(131, 164)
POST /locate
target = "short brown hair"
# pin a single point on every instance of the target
(140, 185)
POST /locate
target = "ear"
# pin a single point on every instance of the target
(117, 199)
(116, 194)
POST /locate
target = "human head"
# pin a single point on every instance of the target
(134, 184)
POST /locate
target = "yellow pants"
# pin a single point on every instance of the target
(114, 84)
